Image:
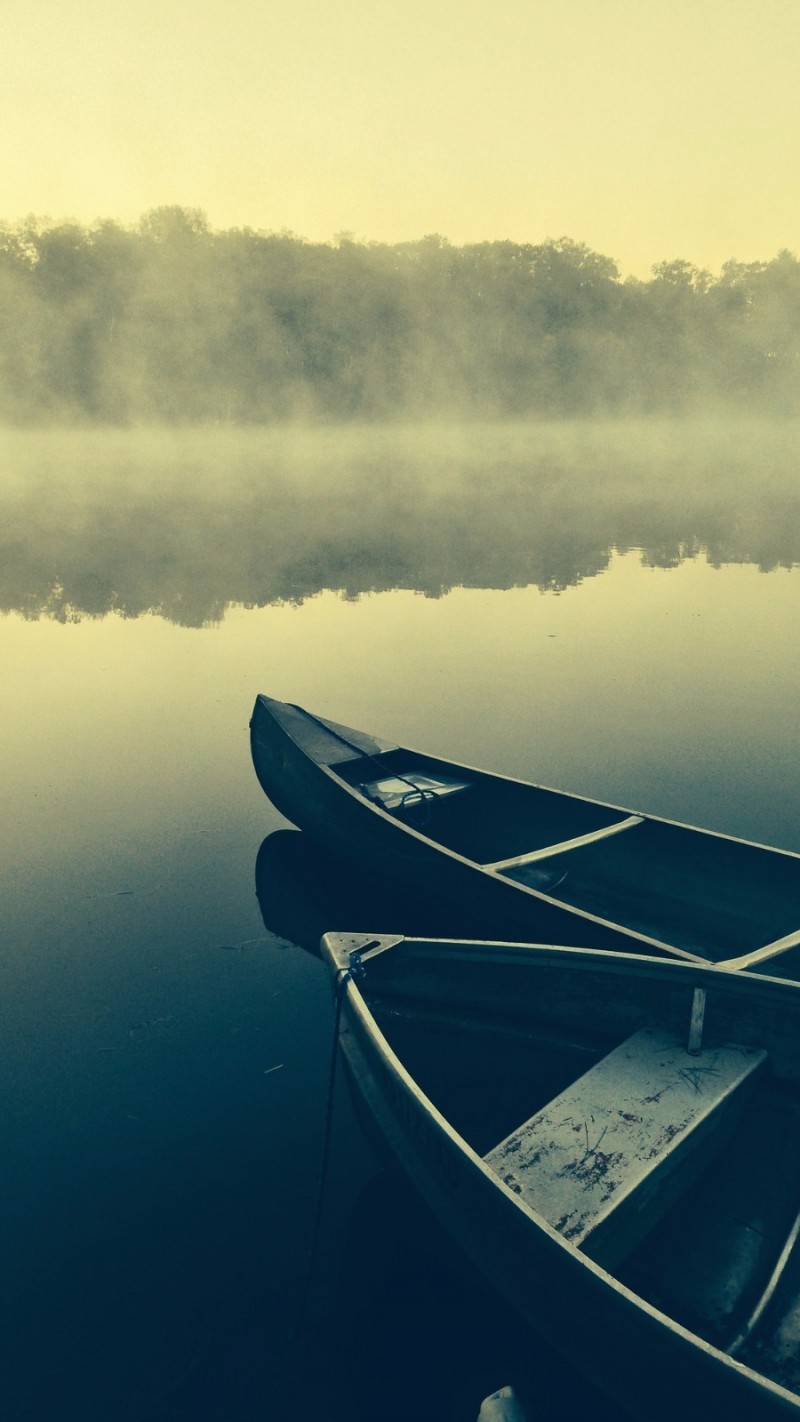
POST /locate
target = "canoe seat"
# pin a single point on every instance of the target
(605, 1160)
(410, 788)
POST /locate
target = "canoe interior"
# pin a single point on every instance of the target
(489, 1051)
(714, 896)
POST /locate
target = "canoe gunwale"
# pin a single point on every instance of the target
(285, 751)
(434, 850)
(761, 955)
(670, 950)
(479, 773)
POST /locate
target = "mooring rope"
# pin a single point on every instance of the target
(342, 979)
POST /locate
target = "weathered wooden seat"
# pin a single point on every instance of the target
(605, 1160)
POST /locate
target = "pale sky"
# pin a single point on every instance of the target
(649, 129)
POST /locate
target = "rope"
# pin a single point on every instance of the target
(342, 980)
(426, 798)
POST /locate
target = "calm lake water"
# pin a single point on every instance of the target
(613, 610)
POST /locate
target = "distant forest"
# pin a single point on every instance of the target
(172, 321)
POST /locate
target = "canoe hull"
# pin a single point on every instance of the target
(457, 893)
(648, 1364)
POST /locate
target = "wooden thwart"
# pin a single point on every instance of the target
(578, 842)
(605, 1160)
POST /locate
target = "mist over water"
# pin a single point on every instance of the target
(186, 524)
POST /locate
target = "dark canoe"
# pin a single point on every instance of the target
(519, 861)
(636, 1204)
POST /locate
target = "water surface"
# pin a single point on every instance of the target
(611, 610)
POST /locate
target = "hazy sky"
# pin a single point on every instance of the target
(649, 129)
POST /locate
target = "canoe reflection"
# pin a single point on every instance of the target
(397, 1324)
(303, 893)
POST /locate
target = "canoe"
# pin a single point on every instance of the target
(612, 1140)
(520, 861)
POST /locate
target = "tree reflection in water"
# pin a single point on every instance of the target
(186, 524)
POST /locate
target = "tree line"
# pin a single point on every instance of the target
(170, 320)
